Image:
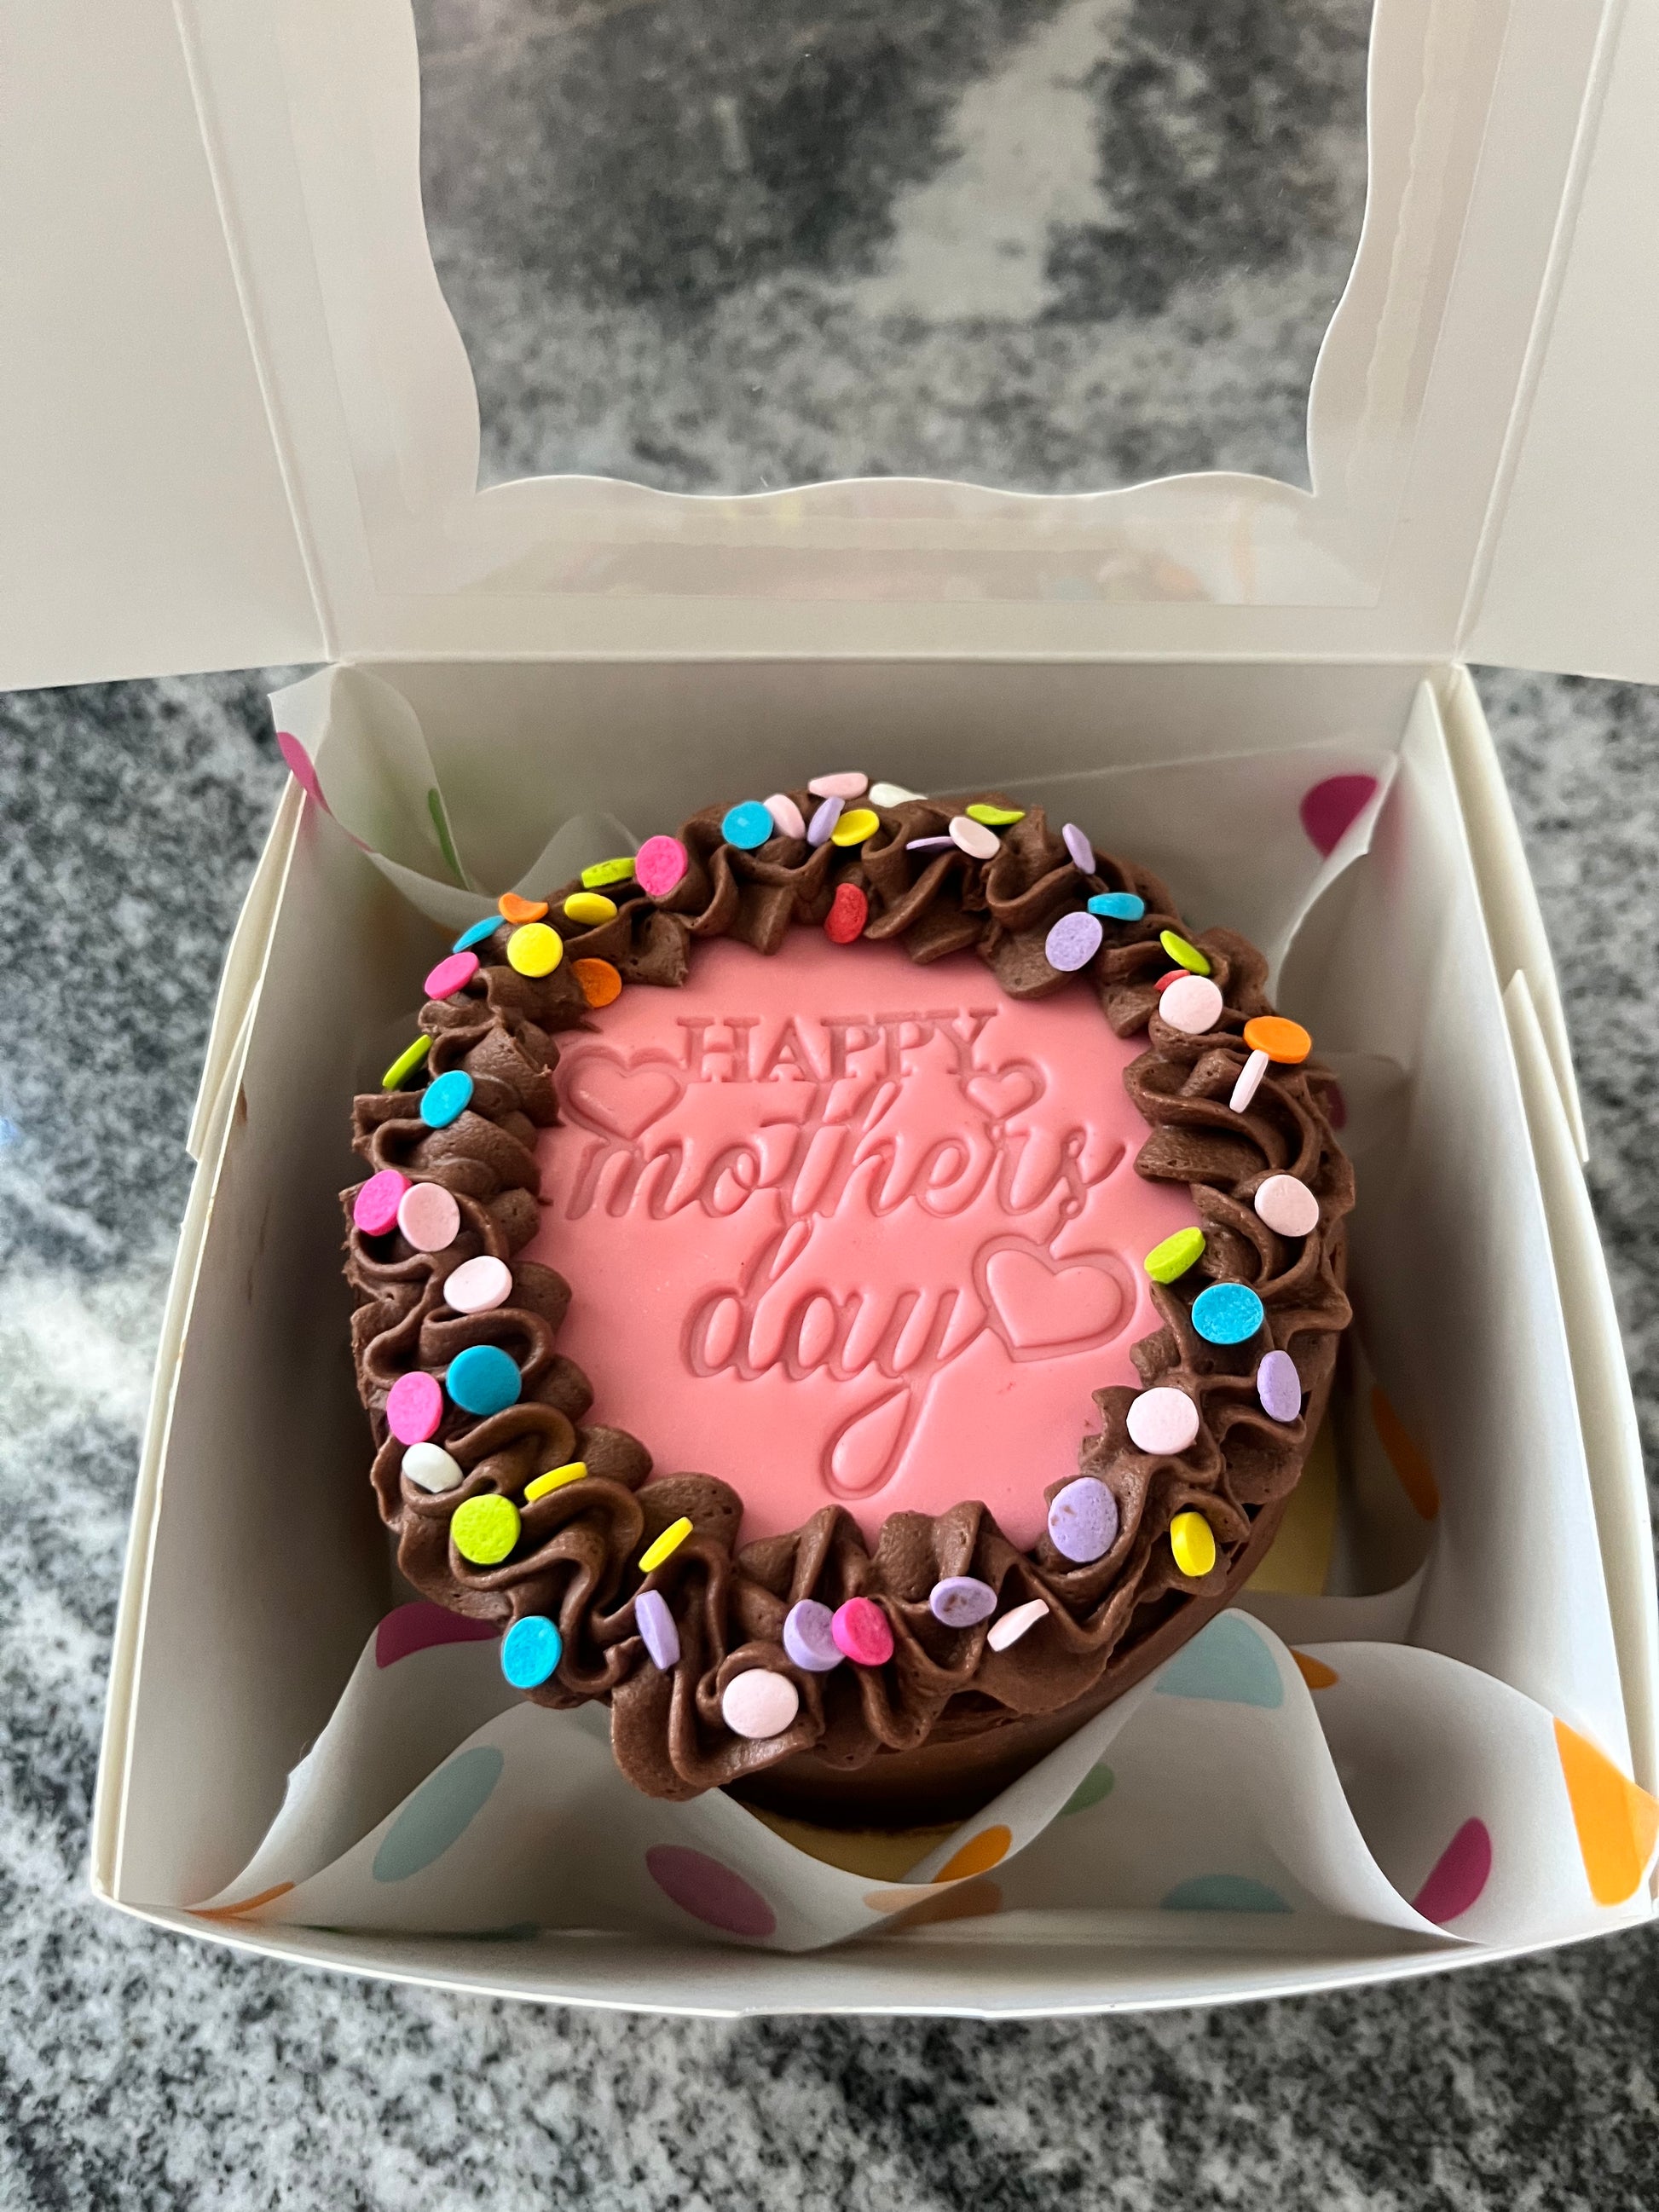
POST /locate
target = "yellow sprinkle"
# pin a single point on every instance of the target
(535, 950)
(591, 907)
(607, 871)
(485, 1530)
(665, 1546)
(1192, 1542)
(1188, 955)
(995, 818)
(555, 1479)
(855, 825)
(1169, 1262)
(406, 1064)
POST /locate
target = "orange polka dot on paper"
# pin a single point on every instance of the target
(973, 1900)
(1405, 1458)
(1314, 1672)
(1617, 1822)
(243, 1904)
(600, 982)
(978, 1855)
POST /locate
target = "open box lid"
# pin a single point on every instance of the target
(237, 424)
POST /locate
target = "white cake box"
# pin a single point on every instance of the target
(240, 428)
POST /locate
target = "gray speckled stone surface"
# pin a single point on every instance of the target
(1160, 317)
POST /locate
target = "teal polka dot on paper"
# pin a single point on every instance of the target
(1096, 1784)
(1227, 1662)
(439, 1813)
(1223, 1893)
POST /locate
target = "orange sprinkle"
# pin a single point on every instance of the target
(513, 908)
(1286, 1042)
(1405, 1458)
(599, 981)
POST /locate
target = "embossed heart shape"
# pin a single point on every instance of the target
(1000, 1093)
(621, 1097)
(1042, 1307)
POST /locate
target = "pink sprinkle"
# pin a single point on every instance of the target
(452, 974)
(414, 1407)
(848, 784)
(429, 1216)
(1250, 1081)
(375, 1210)
(786, 818)
(860, 1629)
(659, 864)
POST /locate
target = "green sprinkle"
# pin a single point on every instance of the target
(1187, 956)
(406, 1064)
(607, 871)
(995, 818)
(1169, 1262)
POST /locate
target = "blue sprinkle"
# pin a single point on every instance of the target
(445, 1099)
(531, 1650)
(1227, 1313)
(748, 826)
(1116, 906)
(478, 933)
(482, 1380)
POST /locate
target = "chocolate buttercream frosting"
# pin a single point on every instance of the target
(947, 1719)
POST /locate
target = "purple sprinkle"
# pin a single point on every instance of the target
(1083, 1520)
(1279, 1387)
(1082, 852)
(807, 1639)
(1073, 942)
(657, 1631)
(961, 1600)
(927, 844)
(824, 821)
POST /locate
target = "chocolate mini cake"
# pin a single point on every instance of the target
(909, 1167)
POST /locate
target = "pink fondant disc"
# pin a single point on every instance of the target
(374, 1209)
(659, 865)
(429, 1216)
(414, 1407)
(452, 974)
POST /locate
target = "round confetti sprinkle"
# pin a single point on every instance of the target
(808, 1638)
(1250, 1081)
(656, 1629)
(1227, 1313)
(535, 950)
(1118, 906)
(530, 1650)
(893, 794)
(862, 1631)
(452, 974)
(962, 1600)
(1012, 1625)
(485, 1529)
(1082, 852)
(709, 1891)
(604, 873)
(759, 1704)
(597, 981)
(1287, 1206)
(995, 817)
(1083, 1520)
(849, 912)
(973, 838)
(858, 824)
(591, 909)
(1169, 1262)
(1162, 1420)
(406, 1064)
(520, 910)
(479, 1285)
(445, 1099)
(928, 844)
(1192, 1005)
(1286, 1042)
(1192, 1542)
(1176, 976)
(414, 1407)
(429, 1216)
(824, 818)
(746, 826)
(786, 816)
(374, 1209)
(660, 864)
(1072, 942)
(480, 932)
(484, 1380)
(556, 1478)
(846, 783)
(1279, 1387)
(1187, 956)
(664, 1547)
(430, 1467)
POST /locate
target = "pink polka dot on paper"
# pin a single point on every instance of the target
(659, 865)
(709, 1891)
(1332, 807)
(414, 1407)
(1458, 1876)
(410, 1628)
(300, 768)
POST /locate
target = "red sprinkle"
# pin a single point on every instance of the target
(860, 1629)
(1174, 976)
(845, 922)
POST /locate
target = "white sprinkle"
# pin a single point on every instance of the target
(1250, 1081)
(892, 794)
(1012, 1625)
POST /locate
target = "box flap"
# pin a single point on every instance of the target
(1449, 384)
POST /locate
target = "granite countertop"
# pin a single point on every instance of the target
(1024, 242)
